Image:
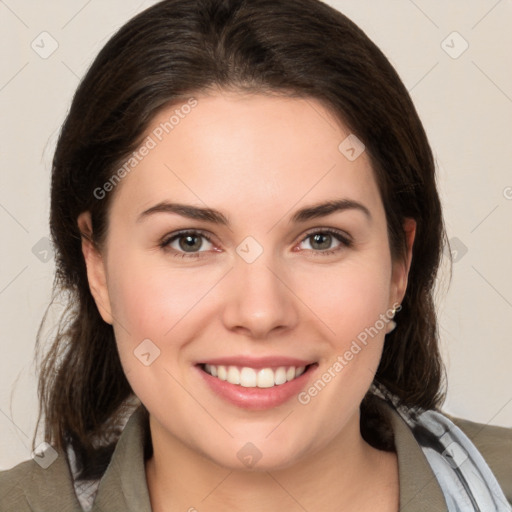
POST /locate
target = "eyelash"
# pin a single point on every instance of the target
(338, 235)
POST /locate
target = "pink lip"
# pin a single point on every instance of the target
(257, 362)
(257, 398)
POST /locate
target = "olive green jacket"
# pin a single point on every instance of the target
(29, 488)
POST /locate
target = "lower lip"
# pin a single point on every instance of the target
(257, 398)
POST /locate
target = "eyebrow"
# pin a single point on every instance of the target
(216, 217)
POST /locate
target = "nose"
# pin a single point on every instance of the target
(259, 299)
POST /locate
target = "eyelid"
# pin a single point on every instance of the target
(344, 238)
(331, 231)
(167, 239)
(209, 236)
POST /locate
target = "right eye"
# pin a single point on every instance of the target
(188, 243)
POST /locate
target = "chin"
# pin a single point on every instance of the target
(254, 456)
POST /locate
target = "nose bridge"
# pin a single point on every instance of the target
(259, 300)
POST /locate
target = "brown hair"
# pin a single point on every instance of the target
(178, 48)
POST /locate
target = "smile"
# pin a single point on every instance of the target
(254, 377)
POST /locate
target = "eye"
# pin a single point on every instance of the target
(185, 244)
(320, 241)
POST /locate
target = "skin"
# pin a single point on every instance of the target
(257, 159)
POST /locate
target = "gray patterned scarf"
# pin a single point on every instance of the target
(466, 480)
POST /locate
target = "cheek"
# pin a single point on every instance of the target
(350, 299)
(150, 297)
(151, 302)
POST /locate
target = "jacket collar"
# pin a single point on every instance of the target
(44, 489)
(123, 486)
(419, 488)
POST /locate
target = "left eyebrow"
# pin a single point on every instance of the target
(327, 208)
(216, 217)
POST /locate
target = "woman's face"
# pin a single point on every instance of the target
(273, 280)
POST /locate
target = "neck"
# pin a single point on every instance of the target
(336, 477)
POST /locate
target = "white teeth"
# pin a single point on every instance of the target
(222, 374)
(233, 375)
(248, 377)
(266, 378)
(252, 378)
(300, 371)
(280, 376)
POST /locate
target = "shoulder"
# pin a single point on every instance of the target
(31, 486)
(495, 445)
(12, 484)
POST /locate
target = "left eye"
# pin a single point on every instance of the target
(322, 240)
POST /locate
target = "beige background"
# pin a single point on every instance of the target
(464, 102)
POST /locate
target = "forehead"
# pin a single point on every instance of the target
(245, 153)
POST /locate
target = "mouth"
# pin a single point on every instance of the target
(256, 383)
(249, 377)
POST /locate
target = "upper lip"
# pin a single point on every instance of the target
(257, 362)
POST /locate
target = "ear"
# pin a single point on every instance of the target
(401, 266)
(96, 273)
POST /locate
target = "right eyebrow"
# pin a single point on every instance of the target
(185, 210)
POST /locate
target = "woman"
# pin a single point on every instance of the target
(248, 230)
